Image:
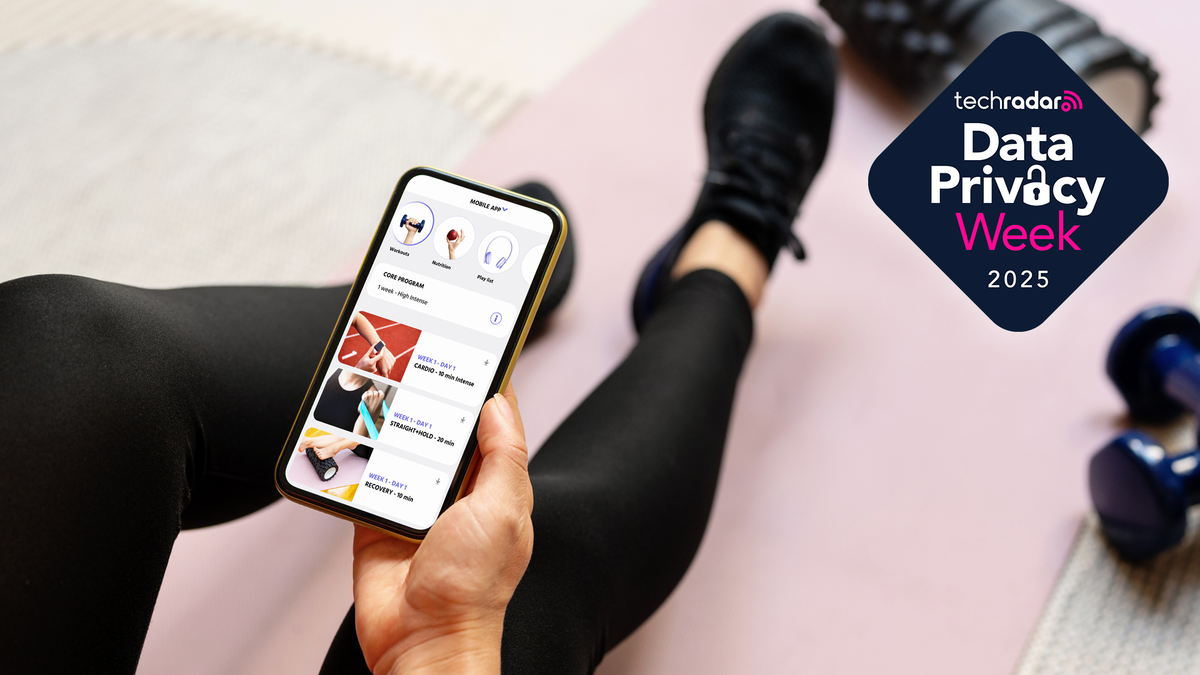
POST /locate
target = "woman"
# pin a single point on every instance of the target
(619, 496)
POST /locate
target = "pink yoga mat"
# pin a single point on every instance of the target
(903, 478)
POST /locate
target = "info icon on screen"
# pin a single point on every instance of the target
(1018, 181)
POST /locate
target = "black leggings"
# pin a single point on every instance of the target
(127, 414)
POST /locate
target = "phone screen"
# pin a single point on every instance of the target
(454, 275)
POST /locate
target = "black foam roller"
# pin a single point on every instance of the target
(920, 46)
(326, 468)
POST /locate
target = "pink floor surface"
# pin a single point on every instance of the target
(903, 478)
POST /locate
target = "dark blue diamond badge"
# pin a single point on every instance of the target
(1018, 181)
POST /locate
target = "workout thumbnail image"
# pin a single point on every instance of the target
(378, 345)
(412, 223)
(354, 403)
(327, 463)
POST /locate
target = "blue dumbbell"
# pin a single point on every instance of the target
(1142, 495)
(418, 226)
(1155, 363)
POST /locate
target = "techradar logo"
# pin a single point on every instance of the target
(1067, 102)
(1020, 270)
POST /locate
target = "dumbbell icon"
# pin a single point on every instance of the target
(417, 225)
(1140, 493)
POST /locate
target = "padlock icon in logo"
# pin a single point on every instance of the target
(1036, 194)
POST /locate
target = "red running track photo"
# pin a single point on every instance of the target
(361, 347)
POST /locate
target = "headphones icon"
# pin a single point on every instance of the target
(487, 254)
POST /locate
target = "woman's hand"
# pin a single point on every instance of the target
(386, 361)
(370, 360)
(372, 397)
(452, 246)
(440, 607)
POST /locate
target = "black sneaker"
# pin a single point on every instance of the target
(560, 278)
(767, 116)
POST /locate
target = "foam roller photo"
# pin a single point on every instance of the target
(920, 46)
(326, 468)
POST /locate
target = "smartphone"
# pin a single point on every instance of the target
(454, 305)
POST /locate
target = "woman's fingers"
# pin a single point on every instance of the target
(378, 553)
(504, 468)
(465, 572)
(389, 361)
(372, 359)
(365, 536)
(510, 397)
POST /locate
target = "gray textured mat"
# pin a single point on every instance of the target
(164, 163)
(1108, 616)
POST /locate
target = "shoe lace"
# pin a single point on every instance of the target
(770, 165)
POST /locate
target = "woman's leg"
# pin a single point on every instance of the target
(126, 414)
(623, 489)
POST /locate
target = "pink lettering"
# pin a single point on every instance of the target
(991, 240)
(1008, 234)
(1034, 237)
(1065, 237)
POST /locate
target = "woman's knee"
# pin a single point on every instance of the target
(78, 346)
(54, 312)
(82, 388)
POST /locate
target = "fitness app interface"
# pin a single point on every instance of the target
(397, 406)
